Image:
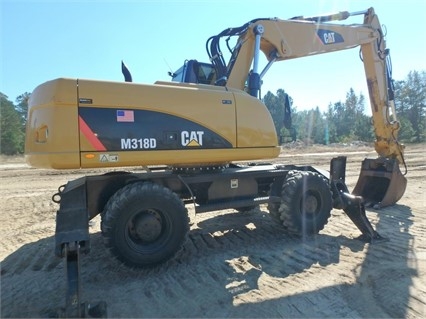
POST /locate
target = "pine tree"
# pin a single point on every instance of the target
(11, 132)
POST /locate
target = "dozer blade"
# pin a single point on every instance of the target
(380, 182)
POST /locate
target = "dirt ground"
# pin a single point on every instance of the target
(236, 265)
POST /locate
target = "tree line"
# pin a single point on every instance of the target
(347, 121)
(342, 122)
(13, 118)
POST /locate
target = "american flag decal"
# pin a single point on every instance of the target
(125, 116)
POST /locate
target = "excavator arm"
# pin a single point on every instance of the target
(298, 37)
(286, 39)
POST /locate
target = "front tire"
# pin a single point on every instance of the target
(306, 203)
(144, 224)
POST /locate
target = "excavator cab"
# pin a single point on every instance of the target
(196, 72)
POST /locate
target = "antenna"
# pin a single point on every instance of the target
(170, 73)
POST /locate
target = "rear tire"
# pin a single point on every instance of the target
(144, 224)
(306, 203)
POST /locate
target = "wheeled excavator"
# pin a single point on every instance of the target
(191, 136)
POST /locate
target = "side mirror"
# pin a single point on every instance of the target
(287, 112)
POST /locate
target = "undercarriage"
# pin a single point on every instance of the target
(145, 221)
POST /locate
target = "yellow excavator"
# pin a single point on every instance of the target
(191, 135)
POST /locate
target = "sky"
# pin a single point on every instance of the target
(44, 40)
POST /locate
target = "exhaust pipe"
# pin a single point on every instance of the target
(380, 182)
(126, 73)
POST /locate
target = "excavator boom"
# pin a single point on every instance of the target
(381, 181)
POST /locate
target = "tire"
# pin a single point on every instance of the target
(273, 206)
(306, 203)
(144, 224)
(245, 209)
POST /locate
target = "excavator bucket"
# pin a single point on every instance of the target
(380, 182)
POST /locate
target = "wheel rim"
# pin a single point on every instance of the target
(146, 230)
(311, 204)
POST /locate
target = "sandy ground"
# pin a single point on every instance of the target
(237, 265)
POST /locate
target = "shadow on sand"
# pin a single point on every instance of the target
(218, 273)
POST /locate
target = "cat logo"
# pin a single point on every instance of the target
(329, 37)
(192, 138)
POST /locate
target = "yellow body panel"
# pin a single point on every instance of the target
(255, 127)
(61, 135)
(52, 126)
(187, 101)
